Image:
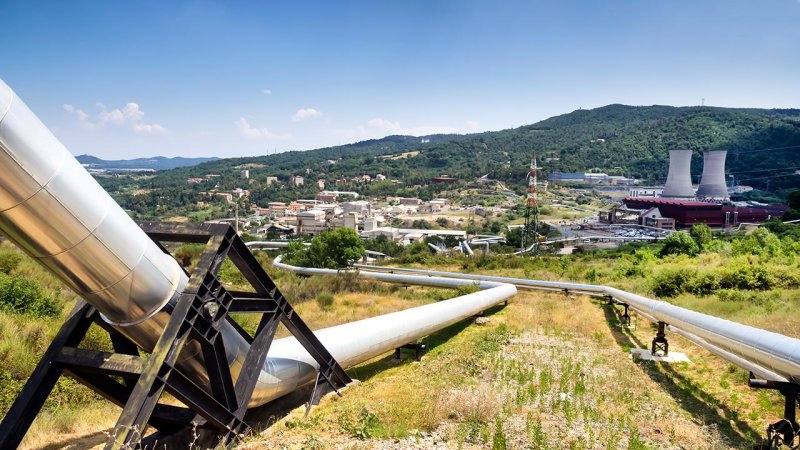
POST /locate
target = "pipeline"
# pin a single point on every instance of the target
(769, 355)
(53, 210)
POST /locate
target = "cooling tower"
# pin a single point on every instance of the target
(679, 180)
(712, 184)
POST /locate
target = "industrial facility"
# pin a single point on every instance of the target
(680, 205)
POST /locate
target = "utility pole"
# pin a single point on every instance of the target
(531, 230)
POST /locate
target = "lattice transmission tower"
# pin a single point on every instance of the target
(530, 232)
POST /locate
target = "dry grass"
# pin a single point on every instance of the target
(553, 371)
(73, 427)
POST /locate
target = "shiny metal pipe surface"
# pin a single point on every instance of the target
(56, 212)
(768, 354)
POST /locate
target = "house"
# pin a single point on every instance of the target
(311, 222)
(380, 177)
(326, 197)
(321, 184)
(361, 208)
(296, 180)
(271, 181)
(409, 201)
(239, 193)
(438, 205)
(444, 179)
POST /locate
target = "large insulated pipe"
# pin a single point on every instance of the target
(712, 183)
(679, 179)
(770, 355)
(57, 213)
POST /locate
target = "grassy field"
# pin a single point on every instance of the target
(545, 371)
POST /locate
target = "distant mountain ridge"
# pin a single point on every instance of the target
(153, 163)
(763, 152)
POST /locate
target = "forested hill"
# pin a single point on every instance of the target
(615, 139)
(154, 163)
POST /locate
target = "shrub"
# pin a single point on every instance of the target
(325, 301)
(746, 276)
(704, 283)
(9, 260)
(679, 243)
(23, 295)
(672, 282)
(701, 234)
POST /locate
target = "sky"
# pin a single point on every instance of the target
(122, 80)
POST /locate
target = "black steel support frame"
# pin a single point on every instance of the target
(418, 348)
(660, 342)
(785, 431)
(136, 383)
(625, 318)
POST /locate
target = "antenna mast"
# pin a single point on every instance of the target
(531, 230)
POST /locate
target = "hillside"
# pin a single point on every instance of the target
(154, 163)
(616, 139)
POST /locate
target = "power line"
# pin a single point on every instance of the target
(767, 177)
(763, 149)
(768, 170)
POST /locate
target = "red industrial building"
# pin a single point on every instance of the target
(687, 213)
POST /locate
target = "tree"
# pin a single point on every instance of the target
(514, 237)
(332, 249)
(701, 234)
(679, 243)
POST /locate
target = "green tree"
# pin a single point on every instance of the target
(332, 249)
(679, 242)
(701, 234)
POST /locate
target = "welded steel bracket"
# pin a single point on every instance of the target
(660, 342)
(785, 432)
(625, 318)
(418, 348)
(136, 382)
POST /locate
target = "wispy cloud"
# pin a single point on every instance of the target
(472, 124)
(267, 91)
(305, 114)
(252, 132)
(130, 116)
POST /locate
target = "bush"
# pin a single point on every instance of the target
(333, 249)
(672, 282)
(679, 243)
(22, 295)
(325, 301)
(747, 276)
(9, 260)
(701, 234)
(704, 283)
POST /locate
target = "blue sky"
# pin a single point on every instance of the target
(131, 79)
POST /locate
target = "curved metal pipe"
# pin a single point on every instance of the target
(770, 355)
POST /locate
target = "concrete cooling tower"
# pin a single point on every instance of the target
(679, 180)
(712, 184)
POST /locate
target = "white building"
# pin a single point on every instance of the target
(645, 191)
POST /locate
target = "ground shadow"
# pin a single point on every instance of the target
(701, 405)
(86, 441)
